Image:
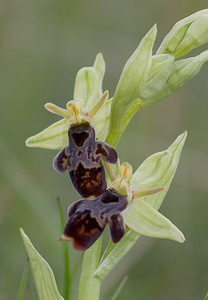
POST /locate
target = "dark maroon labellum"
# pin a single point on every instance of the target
(82, 158)
(88, 218)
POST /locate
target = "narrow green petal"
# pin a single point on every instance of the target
(53, 137)
(97, 106)
(132, 78)
(42, 273)
(144, 219)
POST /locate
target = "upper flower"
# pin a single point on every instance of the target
(82, 159)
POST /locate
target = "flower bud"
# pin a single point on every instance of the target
(181, 72)
(186, 35)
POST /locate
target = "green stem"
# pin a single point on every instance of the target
(89, 287)
(66, 255)
(114, 136)
(115, 296)
(115, 253)
(23, 282)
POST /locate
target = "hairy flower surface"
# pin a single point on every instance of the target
(88, 218)
(82, 159)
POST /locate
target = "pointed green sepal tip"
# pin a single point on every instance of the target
(88, 83)
(158, 170)
(42, 273)
(99, 66)
(53, 137)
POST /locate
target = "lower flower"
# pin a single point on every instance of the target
(88, 218)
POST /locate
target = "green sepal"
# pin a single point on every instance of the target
(53, 137)
(42, 273)
(158, 75)
(88, 83)
(99, 66)
(187, 34)
(133, 76)
(157, 170)
(102, 120)
(144, 219)
(87, 87)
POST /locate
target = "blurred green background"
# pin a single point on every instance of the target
(43, 45)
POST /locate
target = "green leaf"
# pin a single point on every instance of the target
(42, 273)
(206, 297)
(53, 137)
(186, 35)
(156, 171)
(144, 219)
(158, 75)
(128, 89)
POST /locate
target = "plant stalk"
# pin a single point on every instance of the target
(89, 287)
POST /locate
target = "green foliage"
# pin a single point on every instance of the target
(42, 273)
(145, 80)
(23, 282)
(157, 170)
